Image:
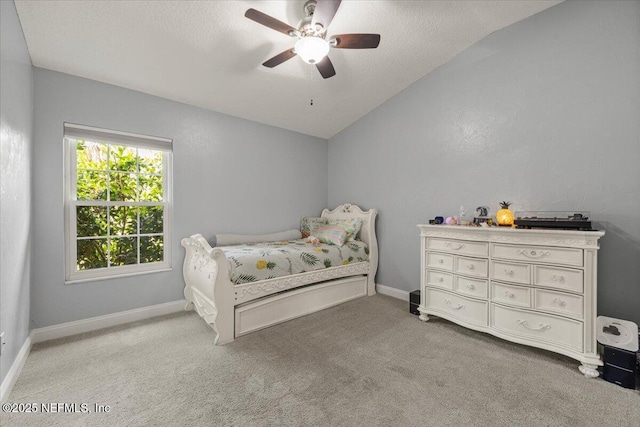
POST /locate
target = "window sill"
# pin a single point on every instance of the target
(115, 276)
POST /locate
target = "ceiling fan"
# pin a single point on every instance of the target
(312, 45)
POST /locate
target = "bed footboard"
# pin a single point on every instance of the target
(208, 289)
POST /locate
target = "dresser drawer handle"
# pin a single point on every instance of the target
(508, 272)
(471, 266)
(453, 304)
(440, 279)
(509, 295)
(531, 253)
(470, 286)
(559, 279)
(540, 327)
(455, 248)
(560, 302)
(441, 261)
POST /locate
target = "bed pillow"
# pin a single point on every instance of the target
(309, 226)
(238, 239)
(332, 235)
(352, 226)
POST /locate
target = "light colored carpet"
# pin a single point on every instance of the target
(367, 362)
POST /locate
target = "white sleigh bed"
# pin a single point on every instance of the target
(233, 310)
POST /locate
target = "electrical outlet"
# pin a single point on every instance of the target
(2, 343)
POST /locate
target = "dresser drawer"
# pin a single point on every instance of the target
(472, 287)
(463, 308)
(462, 247)
(471, 266)
(511, 272)
(537, 326)
(439, 279)
(440, 260)
(549, 255)
(558, 302)
(556, 277)
(510, 294)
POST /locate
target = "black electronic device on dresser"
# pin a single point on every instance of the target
(414, 302)
(566, 220)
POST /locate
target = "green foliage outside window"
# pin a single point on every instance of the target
(118, 234)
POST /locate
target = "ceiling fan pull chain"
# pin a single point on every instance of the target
(310, 84)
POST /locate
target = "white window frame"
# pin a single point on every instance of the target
(72, 132)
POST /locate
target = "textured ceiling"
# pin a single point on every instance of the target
(206, 53)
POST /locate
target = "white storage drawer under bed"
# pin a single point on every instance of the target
(288, 305)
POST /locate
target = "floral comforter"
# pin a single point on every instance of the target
(260, 261)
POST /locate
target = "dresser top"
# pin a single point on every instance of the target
(570, 238)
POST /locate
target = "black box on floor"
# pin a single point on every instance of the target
(622, 358)
(623, 377)
(413, 309)
(414, 297)
(620, 366)
(414, 302)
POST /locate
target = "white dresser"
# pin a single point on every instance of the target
(533, 287)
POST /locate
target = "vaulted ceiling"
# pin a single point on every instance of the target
(207, 54)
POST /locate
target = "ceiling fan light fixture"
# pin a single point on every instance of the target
(311, 33)
(312, 49)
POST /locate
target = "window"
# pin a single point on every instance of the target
(118, 203)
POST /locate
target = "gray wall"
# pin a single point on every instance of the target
(230, 175)
(544, 113)
(16, 125)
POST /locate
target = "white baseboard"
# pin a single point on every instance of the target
(106, 321)
(392, 292)
(16, 368)
(78, 327)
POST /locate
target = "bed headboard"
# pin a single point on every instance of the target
(368, 232)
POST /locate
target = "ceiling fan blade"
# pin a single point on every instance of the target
(356, 41)
(326, 68)
(280, 58)
(268, 21)
(325, 11)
